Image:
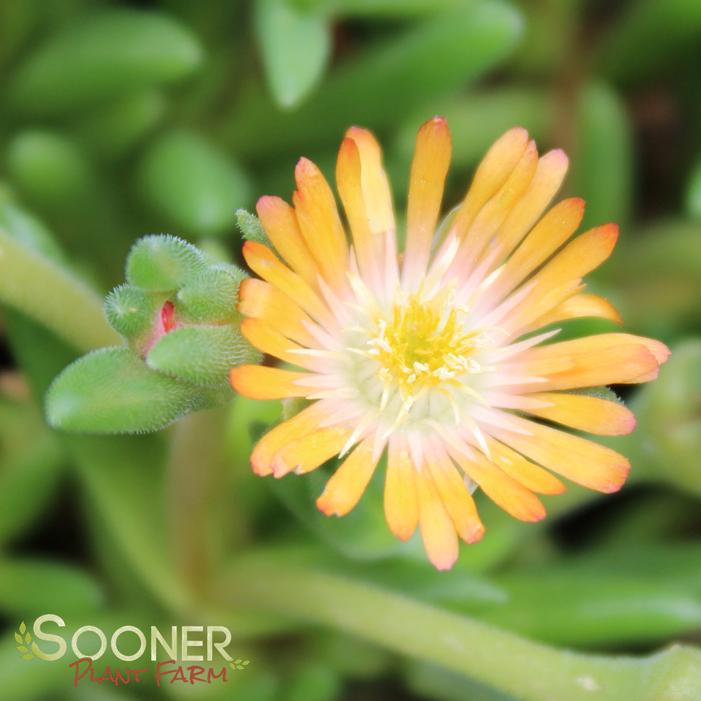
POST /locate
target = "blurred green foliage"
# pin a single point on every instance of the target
(122, 119)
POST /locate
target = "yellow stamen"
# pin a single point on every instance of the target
(423, 345)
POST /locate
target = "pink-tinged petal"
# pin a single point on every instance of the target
(347, 484)
(280, 224)
(427, 179)
(259, 382)
(582, 461)
(585, 413)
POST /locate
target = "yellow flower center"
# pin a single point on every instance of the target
(423, 345)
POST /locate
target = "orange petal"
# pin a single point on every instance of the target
(586, 463)
(548, 177)
(375, 184)
(263, 262)
(401, 503)
(260, 382)
(428, 171)
(579, 306)
(437, 528)
(320, 223)
(491, 174)
(299, 425)
(349, 183)
(492, 216)
(260, 300)
(456, 498)
(603, 359)
(579, 257)
(310, 451)
(347, 484)
(531, 476)
(280, 224)
(546, 237)
(585, 413)
(269, 341)
(511, 496)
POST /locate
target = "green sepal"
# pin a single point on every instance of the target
(163, 263)
(250, 227)
(111, 390)
(130, 311)
(212, 295)
(201, 355)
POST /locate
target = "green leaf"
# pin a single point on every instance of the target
(202, 355)
(112, 130)
(212, 295)
(693, 192)
(29, 586)
(190, 183)
(162, 263)
(130, 311)
(27, 483)
(603, 136)
(401, 75)
(27, 229)
(295, 46)
(112, 391)
(51, 170)
(103, 56)
(61, 303)
(649, 36)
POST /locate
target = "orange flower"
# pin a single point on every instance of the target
(432, 358)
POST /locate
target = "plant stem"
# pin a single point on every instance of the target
(528, 670)
(51, 296)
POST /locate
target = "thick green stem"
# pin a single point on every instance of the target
(51, 296)
(528, 670)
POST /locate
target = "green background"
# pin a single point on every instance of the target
(123, 119)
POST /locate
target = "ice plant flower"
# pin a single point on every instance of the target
(436, 357)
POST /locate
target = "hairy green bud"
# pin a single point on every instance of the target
(202, 355)
(162, 263)
(212, 295)
(129, 310)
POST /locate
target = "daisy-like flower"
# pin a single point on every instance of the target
(436, 357)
